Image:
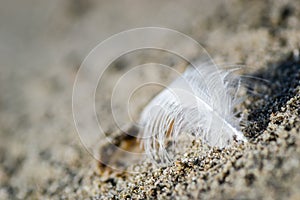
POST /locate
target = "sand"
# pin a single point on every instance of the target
(40, 152)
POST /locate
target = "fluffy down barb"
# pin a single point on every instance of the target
(200, 102)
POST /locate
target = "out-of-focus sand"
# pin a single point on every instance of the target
(42, 46)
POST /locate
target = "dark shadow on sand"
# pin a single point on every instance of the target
(283, 78)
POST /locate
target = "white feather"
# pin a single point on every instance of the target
(200, 102)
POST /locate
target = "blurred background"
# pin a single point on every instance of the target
(42, 44)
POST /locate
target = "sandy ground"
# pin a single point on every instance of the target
(42, 46)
